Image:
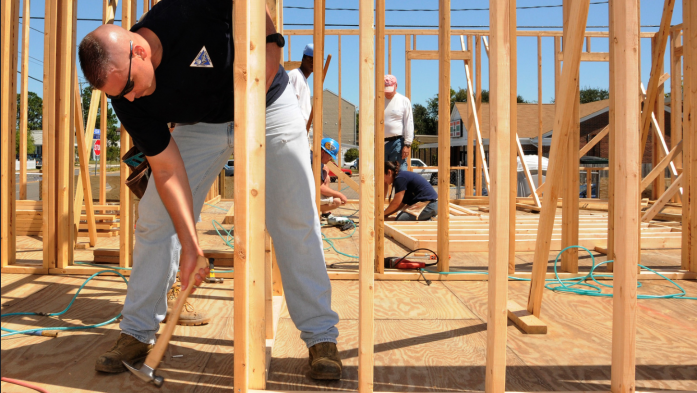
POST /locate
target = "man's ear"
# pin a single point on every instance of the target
(140, 52)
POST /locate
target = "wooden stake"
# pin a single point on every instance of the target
(366, 232)
(8, 72)
(317, 97)
(339, 114)
(249, 22)
(513, 135)
(444, 133)
(563, 120)
(48, 121)
(689, 216)
(499, 193)
(540, 148)
(126, 228)
(24, 100)
(627, 162)
(610, 252)
(64, 224)
(379, 136)
(569, 260)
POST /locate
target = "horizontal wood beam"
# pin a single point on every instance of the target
(589, 56)
(454, 32)
(433, 55)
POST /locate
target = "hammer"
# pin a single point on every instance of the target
(147, 370)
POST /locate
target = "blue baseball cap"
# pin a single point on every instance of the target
(309, 50)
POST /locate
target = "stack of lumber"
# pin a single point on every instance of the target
(106, 218)
(29, 218)
(471, 233)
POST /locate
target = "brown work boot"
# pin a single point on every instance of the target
(128, 349)
(325, 362)
(189, 316)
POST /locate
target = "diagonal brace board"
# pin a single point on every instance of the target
(656, 62)
(562, 126)
(473, 109)
(83, 188)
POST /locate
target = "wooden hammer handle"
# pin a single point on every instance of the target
(155, 356)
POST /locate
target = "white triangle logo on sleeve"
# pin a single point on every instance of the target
(202, 60)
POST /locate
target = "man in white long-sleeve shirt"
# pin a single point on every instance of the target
(399, 124)
(298, 79)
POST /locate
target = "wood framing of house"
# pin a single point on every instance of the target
(621, 232)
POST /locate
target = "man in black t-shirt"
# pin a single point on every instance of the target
(175, 65)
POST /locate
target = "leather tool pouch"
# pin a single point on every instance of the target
(138, 179)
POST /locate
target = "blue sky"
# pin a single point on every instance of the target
(424, 72)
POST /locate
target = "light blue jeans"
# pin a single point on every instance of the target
(431, 210)
(291, 219)
(393, 152)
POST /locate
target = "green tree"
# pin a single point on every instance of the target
(111, 131)
(591, 94)
(351, 154)
(424, 124)
(35, 109)
(31, 147)
(34, 118)
(415, 145)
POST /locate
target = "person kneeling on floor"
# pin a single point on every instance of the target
(414, 197)
(330, 199)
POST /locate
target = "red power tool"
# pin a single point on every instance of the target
(401, 263)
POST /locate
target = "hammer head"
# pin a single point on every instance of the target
(146, 373)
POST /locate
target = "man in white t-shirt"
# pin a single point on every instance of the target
(298, 79)
(399, 124)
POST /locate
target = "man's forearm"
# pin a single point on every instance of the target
(327, 191)
(172, 184)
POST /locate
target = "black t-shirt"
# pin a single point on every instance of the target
(416, 187)
(194, 81)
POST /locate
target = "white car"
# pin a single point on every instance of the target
(420, 167)
(350, 164)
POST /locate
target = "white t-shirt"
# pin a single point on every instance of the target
(302, 91)
(398, 118)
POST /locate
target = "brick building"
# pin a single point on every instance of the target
(593, 117)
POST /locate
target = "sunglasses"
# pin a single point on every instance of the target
(129, 82)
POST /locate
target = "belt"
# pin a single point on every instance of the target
(393, 138)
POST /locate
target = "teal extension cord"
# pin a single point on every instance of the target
(37, 331)
(569, 285)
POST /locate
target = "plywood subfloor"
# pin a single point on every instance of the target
(415, 351)
(66, 363)
(428, 338)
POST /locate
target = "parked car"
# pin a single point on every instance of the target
(230, 168)
(584, 194)
(333, 177)
(351, 164)
(420, 167)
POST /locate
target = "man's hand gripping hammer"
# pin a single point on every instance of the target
(147, 371)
